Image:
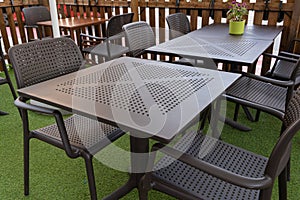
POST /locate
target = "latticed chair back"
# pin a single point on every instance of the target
(78, 136)
(6, 79)
(139, 36)
(111, 46)
(178, 24)
(36, 14)
(43, 60)
(201, 167)
(115, 23)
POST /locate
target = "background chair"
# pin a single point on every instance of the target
(78, 136)
(6, 78)
(201, 167)
(33, 15)
(138, 36)
(178, 24)
(111, 46)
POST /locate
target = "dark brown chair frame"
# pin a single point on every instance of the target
(42, 60)
(109, 47)
(224, 165)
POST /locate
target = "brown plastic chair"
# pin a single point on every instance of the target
(178, 24)
(108, 47)
(33, 15)
(138, 36)
(6, 79)
(202, 167)
(263, 93)
(78, 136)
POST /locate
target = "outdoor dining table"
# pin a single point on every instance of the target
(74, 24)
(146, 98)
(215, 42)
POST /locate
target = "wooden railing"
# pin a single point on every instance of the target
(201, 12)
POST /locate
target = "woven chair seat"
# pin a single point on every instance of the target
(218, 153)
(259, 92)
(84, 133)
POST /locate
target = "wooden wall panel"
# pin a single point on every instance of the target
(199, 11)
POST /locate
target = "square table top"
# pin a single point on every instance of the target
(151, 98)
(74, 22)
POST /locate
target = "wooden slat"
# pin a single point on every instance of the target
(294, 26)
(205, 14)
(194, 19)
(3, 32)
(12, 25)
(20, 24)
(142, 11)
(162, 27)
(258, 15)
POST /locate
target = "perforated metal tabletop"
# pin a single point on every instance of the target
(150, 98)
(214, 42)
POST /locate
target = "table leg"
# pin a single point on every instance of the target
(139, 158)
(72, 34)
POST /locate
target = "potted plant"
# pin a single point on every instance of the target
(235, 15)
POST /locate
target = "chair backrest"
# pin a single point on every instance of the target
(291, 125)
(36, 14)
(42, 60)
(178, 24)
(139, 36)
(115, 23)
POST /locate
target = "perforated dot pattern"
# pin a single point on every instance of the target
(217, 153)
(239, 48)
(114, 86)
(35, 60)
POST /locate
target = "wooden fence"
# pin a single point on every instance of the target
(201, 12)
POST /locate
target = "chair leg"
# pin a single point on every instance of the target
(236, 112)
(90, 174)
(257, 115)
(282, 184)
(26, 165)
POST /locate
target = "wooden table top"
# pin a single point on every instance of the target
(74, 22)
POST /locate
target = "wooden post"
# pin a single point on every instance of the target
(134, 8)
(293, 28)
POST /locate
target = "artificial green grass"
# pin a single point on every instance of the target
(55, 176)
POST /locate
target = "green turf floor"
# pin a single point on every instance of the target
(54, 176)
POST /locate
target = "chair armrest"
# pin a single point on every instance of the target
(35, 108)
(31, 26)
(291, 55)
(59, 121)
(92, 37)
(283, 56)
(223, 174)
(83, 42)
(280, 83)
